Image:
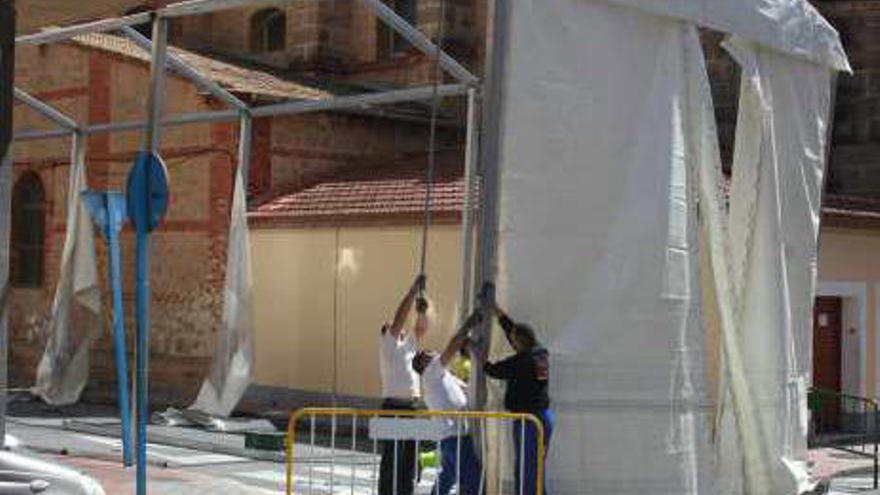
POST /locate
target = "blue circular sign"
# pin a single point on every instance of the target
(146, 193)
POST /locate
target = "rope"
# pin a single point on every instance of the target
(432, 138)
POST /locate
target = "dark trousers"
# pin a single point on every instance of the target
(399, 480)
(459, 465)
(527, 446)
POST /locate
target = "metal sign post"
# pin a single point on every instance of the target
(147, 202)
(108, 211)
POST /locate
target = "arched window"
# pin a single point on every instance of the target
(268, 31)
(28, 231)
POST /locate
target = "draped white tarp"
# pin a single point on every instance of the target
(778, 169)
(598, 239)
(793, 27)
(613, 240)
(75, 322)
(233, 359)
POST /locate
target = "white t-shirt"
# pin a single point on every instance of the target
(443, 391)
(399, 380)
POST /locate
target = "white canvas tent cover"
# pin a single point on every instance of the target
(617, 247)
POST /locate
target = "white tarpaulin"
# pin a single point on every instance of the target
(778, 167)
(609, 189)
(597, 240)
(75, 320)
(233, 359)
(790, 26)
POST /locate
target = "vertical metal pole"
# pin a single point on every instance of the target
(115, 268)
(7, 76)
(489, 156)
(467, 214)
(142, 297)
(244, 147)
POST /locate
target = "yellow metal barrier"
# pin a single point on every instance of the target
(334, 414)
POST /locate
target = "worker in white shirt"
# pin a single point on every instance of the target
(444, 392)
(400, 387)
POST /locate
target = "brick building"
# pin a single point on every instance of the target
(311, 50)
(314, 50)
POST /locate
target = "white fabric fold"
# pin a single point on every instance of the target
(75, 321)
(778, 169)
(793, 27)
(598, 240)
(233, 359)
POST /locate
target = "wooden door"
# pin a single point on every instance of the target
(827, 359)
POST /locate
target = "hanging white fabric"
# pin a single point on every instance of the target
(794, 27)
(75, 321)
(778, 170)
(598, 241)
(233, 359)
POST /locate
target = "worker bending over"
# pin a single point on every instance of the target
(443, 391)
(400, 388)
(526, 374)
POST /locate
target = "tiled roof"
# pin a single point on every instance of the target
(851, 211)
(232, 77)
(367, 193)
(399, 191)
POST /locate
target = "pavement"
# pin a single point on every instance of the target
(229, 468)
(173, 470)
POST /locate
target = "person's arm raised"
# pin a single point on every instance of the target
(421, 328)
(405, 307)
(455, 345)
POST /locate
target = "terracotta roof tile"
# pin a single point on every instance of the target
(369, 192)
(232, 77)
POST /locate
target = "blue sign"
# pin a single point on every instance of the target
(147, 192)
(107, 210)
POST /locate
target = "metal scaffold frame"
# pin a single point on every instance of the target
(465, 84)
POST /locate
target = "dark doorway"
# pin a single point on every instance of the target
(827, 360)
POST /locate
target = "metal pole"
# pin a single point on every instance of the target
(7, 77)
(179, 65)
(420, 41)
(490, 153)
(244, 148)
(65, 33)
(467, 214)
(354, 103)
(142, 296)
(115, 268)
(47, 110)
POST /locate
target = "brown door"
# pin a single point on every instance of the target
(827, 349)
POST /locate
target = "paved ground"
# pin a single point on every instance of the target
(174, 470)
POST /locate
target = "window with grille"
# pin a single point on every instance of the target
(268, 31)
(28, 231)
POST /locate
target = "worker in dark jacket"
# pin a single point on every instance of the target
(527, 376)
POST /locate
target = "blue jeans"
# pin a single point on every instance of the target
(468, 472)
(530, 446)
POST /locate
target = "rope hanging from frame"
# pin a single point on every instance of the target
(432, 138)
